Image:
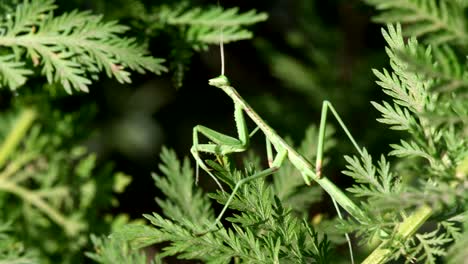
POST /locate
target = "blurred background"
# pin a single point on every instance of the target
(306, 52)
(92, 154)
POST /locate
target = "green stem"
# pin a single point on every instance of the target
(15, 165)
(13, 139)
(30, 197)
(406, 229)
(21, 126)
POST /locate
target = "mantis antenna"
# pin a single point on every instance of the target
(221, 48)
(221, 51)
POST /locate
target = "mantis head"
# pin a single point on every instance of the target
(219, 81)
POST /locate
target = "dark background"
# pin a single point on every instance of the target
(334, 42)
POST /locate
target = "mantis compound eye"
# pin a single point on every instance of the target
(219, 81)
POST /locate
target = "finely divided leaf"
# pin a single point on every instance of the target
(183, 202)
(209, 25)
(437, 21)
(73, 46)
(13, 74)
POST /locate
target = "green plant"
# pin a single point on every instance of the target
(53, 191)
(438, 22)
(39, 163)
(68, 47)
(265, 231)
(409, 205)
(191, 29)
(426, 186)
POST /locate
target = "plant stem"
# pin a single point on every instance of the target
(71, 227)
(406, 229)
(17, 133)
(14, 166)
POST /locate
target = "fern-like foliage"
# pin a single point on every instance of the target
(374, 181)
(114, 250)
(427, 247)
(430, 246)
(71, 49)
(263, 232)
(207, 25)
(193, 28)
(426, 175)
(12, 251)
(50, 186)
(414, 105)
(445, 65)
(14, 73)
(437, 21)
(184, 201)
(433, 194)
(458, 252)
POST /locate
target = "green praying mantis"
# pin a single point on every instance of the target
(222, 145)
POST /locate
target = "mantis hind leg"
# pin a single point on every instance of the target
(323, 121)
(319, 161)
(221, 144)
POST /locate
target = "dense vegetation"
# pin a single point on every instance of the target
(91, 91)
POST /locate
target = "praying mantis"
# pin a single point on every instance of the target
(222, 145)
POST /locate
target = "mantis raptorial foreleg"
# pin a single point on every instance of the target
(222, 144)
